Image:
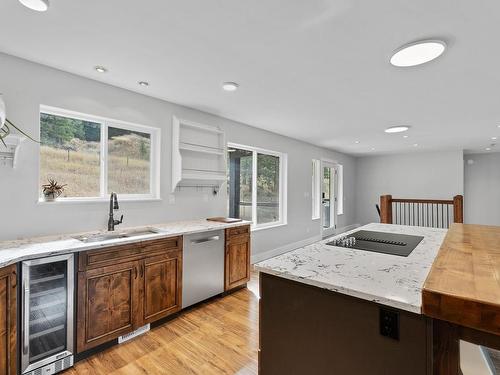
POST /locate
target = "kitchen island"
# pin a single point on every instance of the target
(334, 310)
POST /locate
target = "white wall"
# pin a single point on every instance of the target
(482, 189)
(26, 85)
(434, 175)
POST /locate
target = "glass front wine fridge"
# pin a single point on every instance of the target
(47, 315)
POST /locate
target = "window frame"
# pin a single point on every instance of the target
(105, 123)
(283, 162)
(339, 169)
(316, 189)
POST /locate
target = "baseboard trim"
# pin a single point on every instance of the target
(283, 249)
(343, 229)
(295, 245)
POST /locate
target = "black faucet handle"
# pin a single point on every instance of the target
(117, 222)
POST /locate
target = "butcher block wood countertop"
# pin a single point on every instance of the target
(463, 286)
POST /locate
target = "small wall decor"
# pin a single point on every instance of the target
(5, 125)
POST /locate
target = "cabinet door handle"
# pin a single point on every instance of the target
(14, 280)
(135, 271)
(142, 270)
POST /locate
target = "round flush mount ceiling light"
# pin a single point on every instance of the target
(100, 69)
(143, 83)
(417, 53)
(38, 5)
(230, 86)
(397, 129)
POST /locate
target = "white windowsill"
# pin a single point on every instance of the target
(96, 200)
(262, 227)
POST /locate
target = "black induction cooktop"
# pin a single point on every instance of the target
(379, 242)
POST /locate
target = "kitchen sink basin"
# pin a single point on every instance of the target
(117, 235)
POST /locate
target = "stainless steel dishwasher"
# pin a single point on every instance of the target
(203, 266)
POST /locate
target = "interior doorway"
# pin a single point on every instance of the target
(328, 198)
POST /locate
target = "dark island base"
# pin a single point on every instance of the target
(309, 330)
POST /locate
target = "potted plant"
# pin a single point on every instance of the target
(52, 190)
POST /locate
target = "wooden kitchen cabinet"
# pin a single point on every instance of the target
(237, 257)
(161, 286)
(108, 303)
(8, 310)
(122, 288)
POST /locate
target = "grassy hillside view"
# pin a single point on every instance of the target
(70, 154)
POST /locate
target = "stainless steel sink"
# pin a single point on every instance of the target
(117, 235)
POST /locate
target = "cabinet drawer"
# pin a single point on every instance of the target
(125, 253)
(237, 231)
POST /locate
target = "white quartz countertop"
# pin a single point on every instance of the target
(386, 279)
(19, 250)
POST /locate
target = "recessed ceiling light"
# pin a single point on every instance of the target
(230, 86)
(418, 53)
(100, 69)
(488, 149)
(373, 148)
(143, 83)
(357, 142)
(494, 138)
(415, 145)
(38, 5)
(405, 136)
(397, 129)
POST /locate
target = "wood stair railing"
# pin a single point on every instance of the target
(437, 213)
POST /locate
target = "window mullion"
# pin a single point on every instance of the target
(254, 187)
(104, 160)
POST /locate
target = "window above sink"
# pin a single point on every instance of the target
(93, 156)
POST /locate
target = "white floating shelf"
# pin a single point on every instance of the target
(190, 174)
(198, 154)
(9, 154)
(201, 148)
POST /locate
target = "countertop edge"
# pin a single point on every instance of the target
(346, 291)
(67, 244)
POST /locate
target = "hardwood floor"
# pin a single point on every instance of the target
(218, 337)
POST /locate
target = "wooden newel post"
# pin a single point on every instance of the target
(458, 209)
(386, 209)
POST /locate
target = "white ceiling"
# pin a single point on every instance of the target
(315, 70)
